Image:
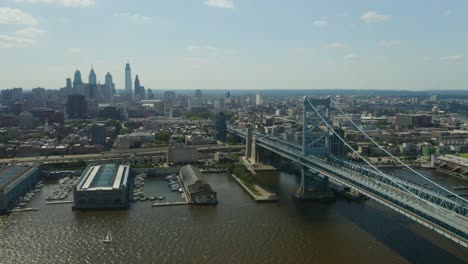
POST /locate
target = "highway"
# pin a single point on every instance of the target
(110, 154)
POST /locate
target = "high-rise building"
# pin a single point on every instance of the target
(198, 93)
(128, 80)
(97, 133)
(139, 90)
(78, 86)
(77, 106)
(258, 99)
(220, 126)
(69, 84)
(92, 77)
(109, 88)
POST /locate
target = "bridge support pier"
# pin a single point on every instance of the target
(320, 191)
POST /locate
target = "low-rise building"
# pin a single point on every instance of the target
(196, 189)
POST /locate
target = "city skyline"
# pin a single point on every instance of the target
(237, 44)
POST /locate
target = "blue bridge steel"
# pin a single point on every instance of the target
(424, 202)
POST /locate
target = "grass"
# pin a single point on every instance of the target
(250, 186)
(464, 155)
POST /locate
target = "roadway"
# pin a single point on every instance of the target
(110, 154)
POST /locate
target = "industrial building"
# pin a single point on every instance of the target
(15, 182)
(103, 187)
(197, 190)
(180, 153)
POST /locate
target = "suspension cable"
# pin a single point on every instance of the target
(366, 161)
(396, 158)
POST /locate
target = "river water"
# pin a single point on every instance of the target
(238, 230)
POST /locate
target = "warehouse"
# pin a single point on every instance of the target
(197, 190)
(15, 182)
(103, 187)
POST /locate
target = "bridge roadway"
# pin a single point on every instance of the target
(110, 154)
(415, 204)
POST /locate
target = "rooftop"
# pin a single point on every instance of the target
(10, 173)
(104, 177)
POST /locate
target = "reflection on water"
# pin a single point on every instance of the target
(238, 230)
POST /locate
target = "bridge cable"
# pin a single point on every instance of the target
(396, 158)
(370, 164)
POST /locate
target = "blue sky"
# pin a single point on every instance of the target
(237, 44)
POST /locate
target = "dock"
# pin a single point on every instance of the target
(168, 204)
(24, 210)
(59, 202)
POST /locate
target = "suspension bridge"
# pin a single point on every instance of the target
(421, 200)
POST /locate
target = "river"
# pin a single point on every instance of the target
(237, 230)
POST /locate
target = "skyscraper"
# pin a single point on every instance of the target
(78, 86)
(69, 83)
(92, 77)
(109, 88)
(139, 90)
(128, 80)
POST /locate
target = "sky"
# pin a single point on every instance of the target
(237, 44)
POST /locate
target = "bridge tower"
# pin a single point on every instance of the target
(315, 134)
(319, 190)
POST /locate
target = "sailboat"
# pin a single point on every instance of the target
(108, 238)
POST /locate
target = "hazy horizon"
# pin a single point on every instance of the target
(227, 44)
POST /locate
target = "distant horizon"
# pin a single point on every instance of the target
(207, 44)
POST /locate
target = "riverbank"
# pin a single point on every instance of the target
(258, 194)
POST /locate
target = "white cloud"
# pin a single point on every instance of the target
(12, 41)
(220, 3)
(14, 16)
(68, 3)
(391, 43)
(320, 23)
(372, 17)
(75, 50)
(336, 45)
(30, 32)
(353, 57)
(447, 12)
(22, 38)
(133, 16)
(453, 58)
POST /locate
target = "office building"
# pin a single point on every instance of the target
(76, 106)
(128, 80)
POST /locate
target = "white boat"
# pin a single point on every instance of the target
(108, 238)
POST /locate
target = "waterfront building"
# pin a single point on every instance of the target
(103, 186)
(196, 188)
(15, 182)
